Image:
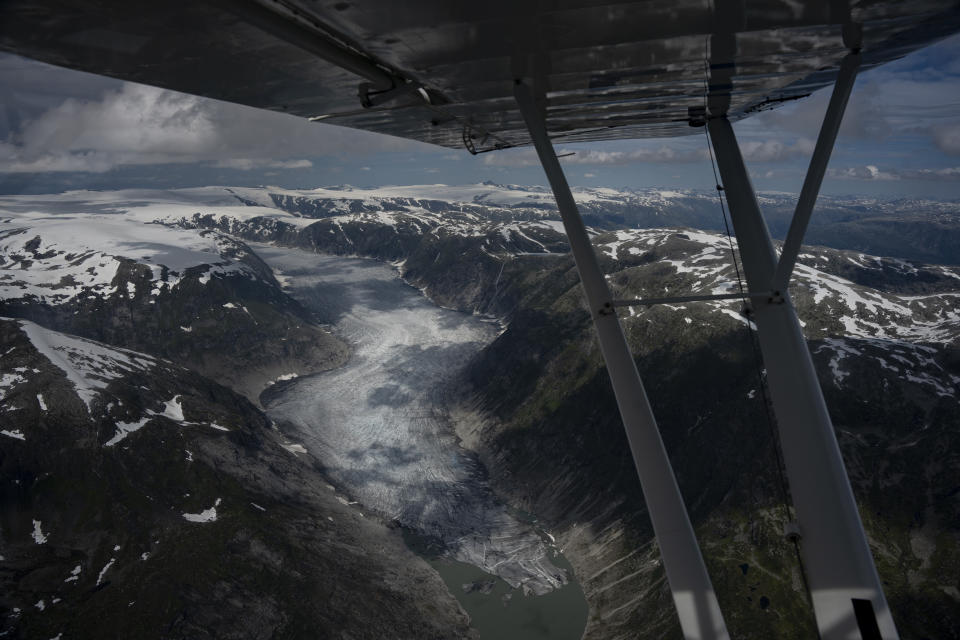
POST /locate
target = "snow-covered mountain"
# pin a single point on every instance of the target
(142, 500)
(925, 230)
(147, 281)
(110, 267)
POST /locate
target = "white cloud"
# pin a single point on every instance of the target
(773, 150)
(659, 154)
(246, 164)
(873, 173)
(132, 124)
(642, 152)
(511, 158)
(589, 175)
(916, 95)
(947, 138)
(867, 172)
(688, 151)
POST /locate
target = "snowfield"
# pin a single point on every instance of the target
(60, 247)
(378, 426)
(57, 261)
(703, 264)
(89, 365)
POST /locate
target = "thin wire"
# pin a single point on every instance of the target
(757, 358)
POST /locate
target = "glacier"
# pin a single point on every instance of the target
(378, 424)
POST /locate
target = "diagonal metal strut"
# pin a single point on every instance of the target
(842, 577)
(818, 167)
(693, 594)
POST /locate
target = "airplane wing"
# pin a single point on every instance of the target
(442, 71)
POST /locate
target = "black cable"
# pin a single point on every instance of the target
(757, 358)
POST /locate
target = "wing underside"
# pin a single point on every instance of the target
(442, 71)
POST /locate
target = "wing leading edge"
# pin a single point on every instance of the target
(442, 71)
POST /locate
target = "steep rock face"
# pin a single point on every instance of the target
(544, 417)
(139, 499)
(198, 297)
(540, 395)
(456, 258)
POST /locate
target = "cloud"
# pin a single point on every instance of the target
(246, 164)
(589, 175)
(916, 95)
(947, 138)
(661, 154)
(511, 158)
(122, 123)
(869, 114)
(773, 150)
(873, 173)
(681, 152)
(868, 172)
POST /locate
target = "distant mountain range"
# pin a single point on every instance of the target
(913, 229)
(142, 330)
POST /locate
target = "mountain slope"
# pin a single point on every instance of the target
(199, 297)
(142, 500)
(884, 337)
(543, 416)
(537, 407)
(912, 229)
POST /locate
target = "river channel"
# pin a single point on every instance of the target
(379, 426)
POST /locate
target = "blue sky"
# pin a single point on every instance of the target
(62, 129)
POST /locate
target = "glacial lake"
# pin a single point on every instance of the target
(379, 426)
(498, 611)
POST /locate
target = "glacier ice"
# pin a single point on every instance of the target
(378, 424)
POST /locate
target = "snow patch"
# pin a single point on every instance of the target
(173, 409)
(90, 366)
(295, 448)
(10, 380)
(286, 376)
(57, 258)
(207, 515)
(126, 428)
(38, 536)
(104, 570)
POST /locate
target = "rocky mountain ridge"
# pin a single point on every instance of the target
(537, 407)
(883, 333)
(200, 298)
(914, 229)
(140, 499)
